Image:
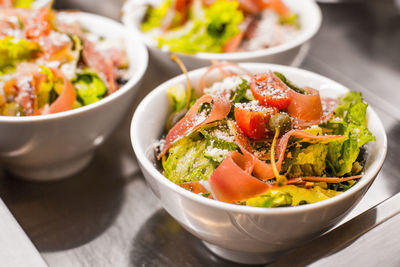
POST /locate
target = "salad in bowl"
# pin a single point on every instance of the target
(275, 31)
(50, 65)
(244, 206)
(66, 80)
(212, 167)
(261, 140)
(219, 26)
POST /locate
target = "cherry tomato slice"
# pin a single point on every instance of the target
(253, 120)
(269, 92)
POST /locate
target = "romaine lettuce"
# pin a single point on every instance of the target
(186, 161)
(13, 51)
(349, 120)
(220, 24)
(290, 195)
(89, 87)
(155, 15)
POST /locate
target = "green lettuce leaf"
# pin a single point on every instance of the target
(220, 24)
(349, 120)
(306, 160)
(186, 161)
(89, 87)
(23, 3)
(290, 195)
(14, 51)
(155, 15)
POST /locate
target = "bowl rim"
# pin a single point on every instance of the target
(137, 75)
(148, 165)
(313, 11)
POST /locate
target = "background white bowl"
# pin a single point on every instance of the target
(240, 233)
(53, 146)
(287, 53)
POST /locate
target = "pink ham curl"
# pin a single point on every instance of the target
(232, 180)
(193, 120)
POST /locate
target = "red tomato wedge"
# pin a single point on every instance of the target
(38, 24)
(270, 92)
(193, 120)
(66, 99)
(253, 120)
(233, 44)
(232, 180)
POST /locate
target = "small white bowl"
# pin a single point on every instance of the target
(287, 54)
(240, 233)
(50, 147)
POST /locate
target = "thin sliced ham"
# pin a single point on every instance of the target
(305, 107)
(328, 105)
(193, 119)
(66, 99)
(232, 180)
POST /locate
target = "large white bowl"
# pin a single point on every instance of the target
(53, 146)
(240, 233)
(287, 53)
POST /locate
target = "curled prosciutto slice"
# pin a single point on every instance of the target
(232, 180)
(194, 119)
(328, 107)
(66, 99)
(306, 107)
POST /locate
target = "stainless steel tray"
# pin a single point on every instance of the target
(106, 216)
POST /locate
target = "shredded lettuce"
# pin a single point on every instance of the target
(23, 3)
(292, 20)
(291, 195)
(186, 161)
(46, 85)
(178, 96)
(14, 51)
(349, 120)
(155, 15)
(89, 87)
(220, 24)
(306, 160)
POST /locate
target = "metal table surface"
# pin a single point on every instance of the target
(106, 216)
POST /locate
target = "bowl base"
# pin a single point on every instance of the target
(51, 172)
(240, 256)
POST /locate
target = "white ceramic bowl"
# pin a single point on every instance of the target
(240, 233)
(287, 53)
(53, 146)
